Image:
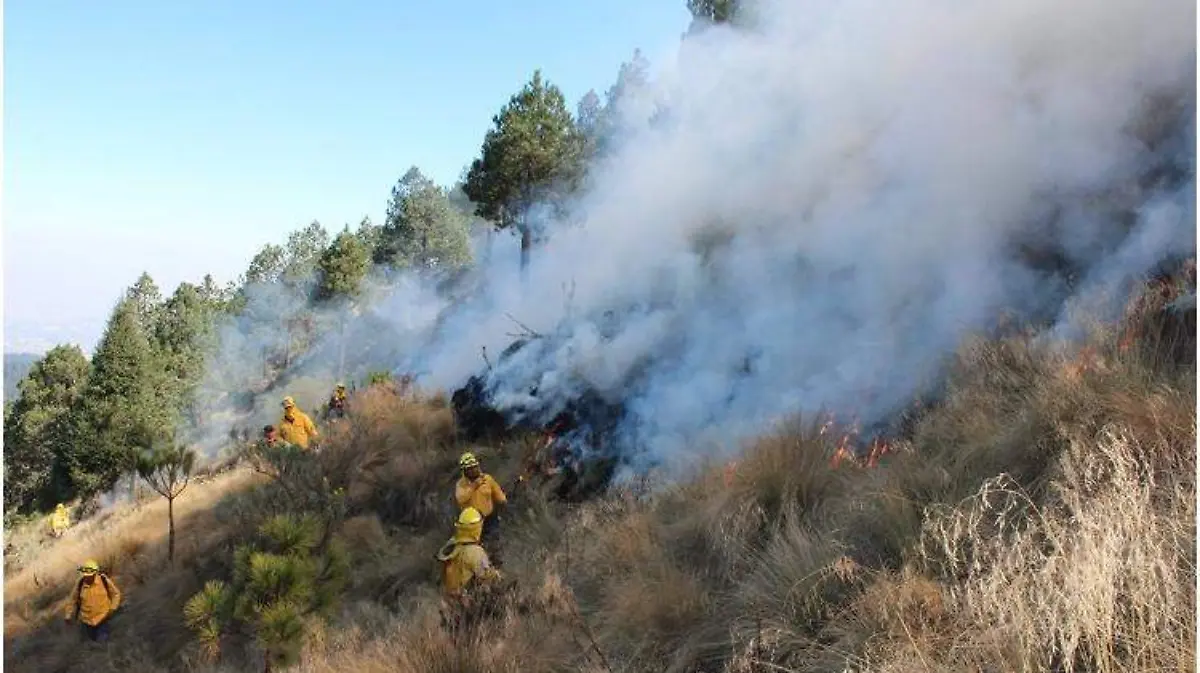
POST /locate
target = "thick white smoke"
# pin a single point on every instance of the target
(828, 203)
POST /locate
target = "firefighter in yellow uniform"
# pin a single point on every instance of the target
(296, 427)
(94, 600)
(481, 491)
(465, 565)
(60, 521)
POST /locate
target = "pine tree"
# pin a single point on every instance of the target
(587, 119)
(369, 233)
(149, 302)
(184, 338)
(266, 266)
(533, 153)
(295, 570)
(37, 433)
(610, 127)
(120, 409)
(715, 11)
(168, 470)
(343, 269)
(302, 254)
(423, 229)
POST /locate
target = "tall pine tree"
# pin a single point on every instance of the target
(532, 154)
(184, 338)
(121, 411)
(343, 269)
(423, 229)
(37, 437)
(709, 12)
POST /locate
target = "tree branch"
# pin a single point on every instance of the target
(529, 332)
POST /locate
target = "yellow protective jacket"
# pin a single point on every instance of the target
(462, 562)
(299, 430)
(60, 520)
(483, 494)
(93, 602)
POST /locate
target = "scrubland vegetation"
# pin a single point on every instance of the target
(1040, 516)
(1035, 513)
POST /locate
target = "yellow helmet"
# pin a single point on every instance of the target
(469, 517)
(60, 506)
(90, 567)
(288, 402)
(468, 459)
(469, 527)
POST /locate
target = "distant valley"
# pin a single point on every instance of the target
(16, 366)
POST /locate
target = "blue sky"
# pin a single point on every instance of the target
(179, 137)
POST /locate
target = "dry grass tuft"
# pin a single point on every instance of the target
(1100, 578)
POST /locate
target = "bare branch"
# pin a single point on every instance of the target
(529, 331)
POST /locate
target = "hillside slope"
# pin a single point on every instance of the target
(1041, 517)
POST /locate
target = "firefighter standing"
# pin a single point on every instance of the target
(337, 403)
(94, 600)
(480, 490)
(296, 427)
(60, 521)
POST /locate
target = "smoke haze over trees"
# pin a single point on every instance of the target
(808, 207)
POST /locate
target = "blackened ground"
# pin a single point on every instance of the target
(582, 433)
(476, 419)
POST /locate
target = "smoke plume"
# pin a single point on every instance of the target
(821, 206)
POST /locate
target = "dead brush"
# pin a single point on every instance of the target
(776, 613)
(903, 607)
(394, 456)
(1095, 580)
(789, 470)
(531, 642)
(660, 603)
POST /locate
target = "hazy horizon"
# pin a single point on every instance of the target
(121, 123)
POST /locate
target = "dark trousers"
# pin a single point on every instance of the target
(490, 538)
(97, 633)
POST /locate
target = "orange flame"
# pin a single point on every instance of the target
(879, 449)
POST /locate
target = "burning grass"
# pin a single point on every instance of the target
(1040, 517)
